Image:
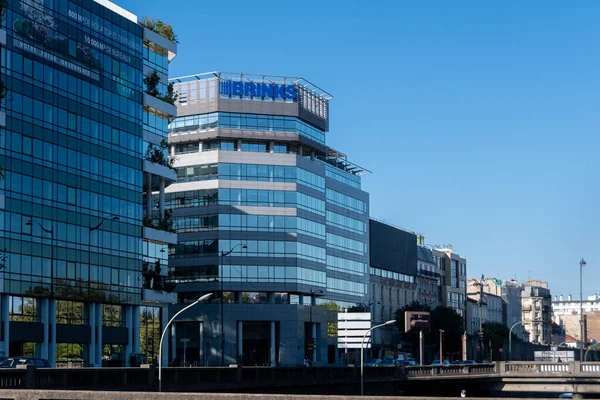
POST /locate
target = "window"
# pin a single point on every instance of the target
(256, 147)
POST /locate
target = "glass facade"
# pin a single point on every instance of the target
(73, 149)
(293, 222)
(246, 121)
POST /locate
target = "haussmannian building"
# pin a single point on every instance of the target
(393, 274)
(269, 218)
(77, 148)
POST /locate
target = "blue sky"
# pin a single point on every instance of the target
(478, 119)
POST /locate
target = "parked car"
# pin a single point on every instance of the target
(411, 363)
(468, 362)
(12, 362)
(456, 362)
(485, 361)
(437, 362)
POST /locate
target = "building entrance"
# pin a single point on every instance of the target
(256, 343)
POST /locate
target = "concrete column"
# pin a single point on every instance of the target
(45, 311)
(5, 309)
(271, 147)
(172, 148)
(148, 195)
(129, 325)
(136, 330)
(273, 360)
(164, 319)
(314, 335)
(92, 347)
(99, 344)
(161, 198)
(300, 150)
(239, 145)
(200, 147)
(173, 340)
(240, 338)
(52, 341)
(312, 155)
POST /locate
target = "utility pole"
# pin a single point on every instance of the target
(441, 349)
(581, 344)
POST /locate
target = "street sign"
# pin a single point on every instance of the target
(352, 327)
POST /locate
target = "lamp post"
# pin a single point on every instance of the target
(206, 296)
(510, 336)
(581, 344)
(51, 232)
(588, 349)
(510, 339)
(313, 294)
(96, 227)
(362, 345)
(223, 254)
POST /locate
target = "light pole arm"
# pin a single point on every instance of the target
(588, 349)
(161, 343)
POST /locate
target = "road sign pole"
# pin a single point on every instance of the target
(420, 346)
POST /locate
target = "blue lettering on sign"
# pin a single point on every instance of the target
(264, 90)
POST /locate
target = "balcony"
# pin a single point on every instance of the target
(160, 170)
(428, 274)
(160, 105)
(161, 41)
(160, 236)
(156, 297)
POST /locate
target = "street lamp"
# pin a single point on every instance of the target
(206, 296)
(96, 227)
(223, 254)
(362, 345)
(581, 264)
(588, 349)
(510, 336)
(313, 333)
(51, 232)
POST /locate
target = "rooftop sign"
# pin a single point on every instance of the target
(256, 89)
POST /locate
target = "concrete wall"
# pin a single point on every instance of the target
(83, 395)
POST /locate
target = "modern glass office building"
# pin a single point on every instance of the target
(269, 218)
(83, 248)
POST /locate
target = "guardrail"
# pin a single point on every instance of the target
(460, 369)
(186, 378)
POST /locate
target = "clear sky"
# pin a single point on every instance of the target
(479, 119)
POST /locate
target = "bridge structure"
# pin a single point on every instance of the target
(515, 379)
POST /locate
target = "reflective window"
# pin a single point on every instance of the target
(345, 201)
(246, 121)
(346, 223)
(346, 244)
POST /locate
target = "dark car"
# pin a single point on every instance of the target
(12, 362)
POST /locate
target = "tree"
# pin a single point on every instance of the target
(495, 334)
(332, 326)
(447, 319)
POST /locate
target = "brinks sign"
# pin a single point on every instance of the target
(255, 89)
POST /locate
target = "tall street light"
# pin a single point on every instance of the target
(313, 295)
(206, 296)
(223, 254)
(51, 232)
(96, 227)
(581, 264)
(510, 336)
(362, 345)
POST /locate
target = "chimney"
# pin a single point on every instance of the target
(570, 298)
(561, 297)
(555, 298)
